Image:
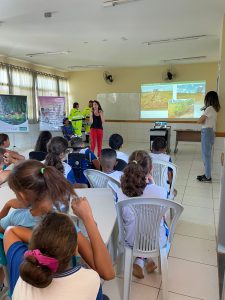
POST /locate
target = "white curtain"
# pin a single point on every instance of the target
(47, 86)
(64, 92)
(4, 84)
(23, 84)
(30, 83)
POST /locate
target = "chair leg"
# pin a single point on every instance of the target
(127, 273)
(120, 264)
(164, 266)
(159, 264)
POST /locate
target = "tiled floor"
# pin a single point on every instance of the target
(192, 259)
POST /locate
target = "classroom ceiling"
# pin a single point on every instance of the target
(90, 35)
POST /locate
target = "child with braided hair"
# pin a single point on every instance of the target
(138, 182)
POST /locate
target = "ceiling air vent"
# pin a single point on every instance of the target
(107, 3)
(183, 58)
(85, 67)
(48, 53)
(176, 39)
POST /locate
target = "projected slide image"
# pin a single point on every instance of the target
(172, 100)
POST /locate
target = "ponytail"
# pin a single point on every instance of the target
(56, 148)
(53, 243)
(55, 161)
(133, 182)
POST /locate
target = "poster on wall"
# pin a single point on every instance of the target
(51, 112)
(13, 113)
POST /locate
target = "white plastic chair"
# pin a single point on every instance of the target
(98, 179)
(148, 214)
(160, 173)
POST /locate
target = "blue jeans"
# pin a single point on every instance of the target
(207, 139)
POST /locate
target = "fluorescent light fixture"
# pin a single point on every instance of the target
(183, 58)
(177, 39)
(48, 53)
(107, 3)
(85, 67)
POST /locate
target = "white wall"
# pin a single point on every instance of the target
(27, 140)
(140, 132)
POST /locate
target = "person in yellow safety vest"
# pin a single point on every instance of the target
(86, 113)
(76, 118)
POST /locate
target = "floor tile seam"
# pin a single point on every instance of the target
(198, 238)
(182, 198)
(187, 204)
(195, 237)
(185, 295)
(139, 283)
(200, 207)
(196, 262)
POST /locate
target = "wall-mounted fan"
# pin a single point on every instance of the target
(107, 77)
(169, 75)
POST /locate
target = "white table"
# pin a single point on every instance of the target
(5, 195)
(103, 209)
(101, 202)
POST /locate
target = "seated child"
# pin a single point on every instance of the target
(159, 147)
(137, 182)
(4, 140)
(115, 143)
(10, 156)
(7, 158)
(2, 164)
(108, 162)
(44, 265)
(41, 190)
(67, 129)
(78, 147)
(56, 154)
(42, 141)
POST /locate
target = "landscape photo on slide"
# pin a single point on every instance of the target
(172, 100)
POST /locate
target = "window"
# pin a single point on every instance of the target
(64, 92)
(22, 81)
(4, 84)
(22, 84)
(47, 86)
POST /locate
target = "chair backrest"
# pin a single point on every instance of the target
(160, 173)
(148, 214)
(79, 164)
(38, 155)
(121, 164)
(98, 179)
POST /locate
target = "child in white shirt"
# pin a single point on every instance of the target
(44, 265)
(137, 182)
(108, 162)
(116, 143)
(159, 147)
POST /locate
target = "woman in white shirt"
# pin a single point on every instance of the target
(208, 122)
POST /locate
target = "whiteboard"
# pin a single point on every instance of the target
(120, 106)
